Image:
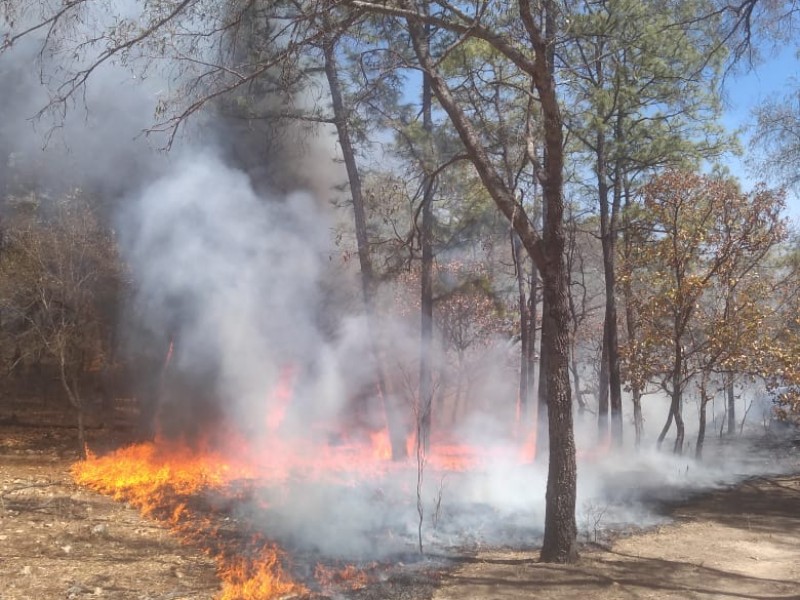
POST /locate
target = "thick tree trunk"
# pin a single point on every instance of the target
(560, 530)
(559, 544)
(394, 423)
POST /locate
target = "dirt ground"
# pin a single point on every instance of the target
(60, 541)
(742, 542)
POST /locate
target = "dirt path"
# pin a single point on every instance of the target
(740, 543)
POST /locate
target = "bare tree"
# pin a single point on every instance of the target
(61, 281)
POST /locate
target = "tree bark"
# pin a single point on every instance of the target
(602, 389)
(667, 425)
(426, 289)
(525, 341)
(677, 401)
(701, 428)
(560, 530)
(638, 421)
(426, 276)
(612, 387)
(393, 420)
(729, 391)
(559, 543)
(542, 394)
(614, 377)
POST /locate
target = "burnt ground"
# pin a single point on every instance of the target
(61, 541)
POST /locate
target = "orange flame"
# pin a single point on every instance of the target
(256, 579)
(156, 480)
(164, 480)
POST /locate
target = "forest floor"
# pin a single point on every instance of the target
(58, 541)
(742, 542)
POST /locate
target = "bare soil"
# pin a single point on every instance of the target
(742, 542)
(60, 541)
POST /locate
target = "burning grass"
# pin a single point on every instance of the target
(196, 489)
(164, 482)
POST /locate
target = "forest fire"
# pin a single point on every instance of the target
(228, 489)
(196, 488)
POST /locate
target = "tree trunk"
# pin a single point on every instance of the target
(638, 421)
(393, 420)
(614, 377)
(630, 318)
(613, 386)
(666, 427)
(533, 311)
(559, 544)
(560, 530)
(729, 391)
(542, 395)
(426, 275)
(677, 376)
(524, 340)
(426, 289)
(701, 427)
(576, 321)
(576, 381)
(74, 397)
(677, 402)
(602, 390)
(532, 321)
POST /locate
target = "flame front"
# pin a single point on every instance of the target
(160, 480)
(172, 481)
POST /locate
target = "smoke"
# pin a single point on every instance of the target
(233, 263)
(235, 278)
(97, 145)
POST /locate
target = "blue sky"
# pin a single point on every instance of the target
(772, 78)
